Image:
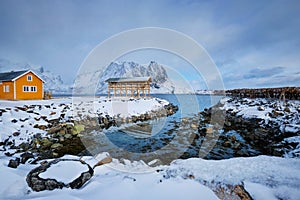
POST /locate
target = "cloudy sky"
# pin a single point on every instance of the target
(253, 43)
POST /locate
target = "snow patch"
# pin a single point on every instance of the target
(58, 171)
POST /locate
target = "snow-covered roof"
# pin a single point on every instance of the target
(8, 76)
(131, 79)
(13, 75)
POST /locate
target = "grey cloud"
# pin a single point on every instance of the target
(279, 81)
(57, 33)
(261, 73)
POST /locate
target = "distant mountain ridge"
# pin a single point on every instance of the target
(160, 80)
(161, 83)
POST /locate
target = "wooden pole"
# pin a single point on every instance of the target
(143, 91)
(136, 88)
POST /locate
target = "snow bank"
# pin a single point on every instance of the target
(279, 176)
(124, 107)
(264, 177)
(106, 183)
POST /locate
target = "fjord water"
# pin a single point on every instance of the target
(163, 139)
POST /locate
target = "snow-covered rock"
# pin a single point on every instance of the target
(266, 123)
(283, 114)
(48, 175)
(279, 177)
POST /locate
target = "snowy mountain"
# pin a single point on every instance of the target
(54, 83)
(161, 83)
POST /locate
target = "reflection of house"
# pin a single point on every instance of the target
(21, 85)
(129, 87)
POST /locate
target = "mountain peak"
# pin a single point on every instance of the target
(160, 80)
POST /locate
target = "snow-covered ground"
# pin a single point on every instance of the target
(264, 177)
(263, 108)
(274, 177)
(285, 115)
(123, 107)
(21, 120)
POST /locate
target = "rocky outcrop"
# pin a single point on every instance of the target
(108, 121)
(264, 136)
(61, 139)
(292, 93)
(65, 137)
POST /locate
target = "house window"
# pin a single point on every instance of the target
(33, 88)
(29, 78)
(5, 88)
(25, 88)
(29, 88)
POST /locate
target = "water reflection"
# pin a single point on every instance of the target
(165, 139)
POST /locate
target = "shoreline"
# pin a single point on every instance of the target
(52, 128)
(266, 123)
(270, 126)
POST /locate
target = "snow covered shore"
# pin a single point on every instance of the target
(21, 120)
(284, 114)
(264, 177)
(272, 124)
(257, 126)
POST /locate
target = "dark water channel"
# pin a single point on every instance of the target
(169, 138)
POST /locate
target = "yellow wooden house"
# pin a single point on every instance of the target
(21, 85)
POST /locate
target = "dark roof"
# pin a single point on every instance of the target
(132, 79)
(8, 76)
